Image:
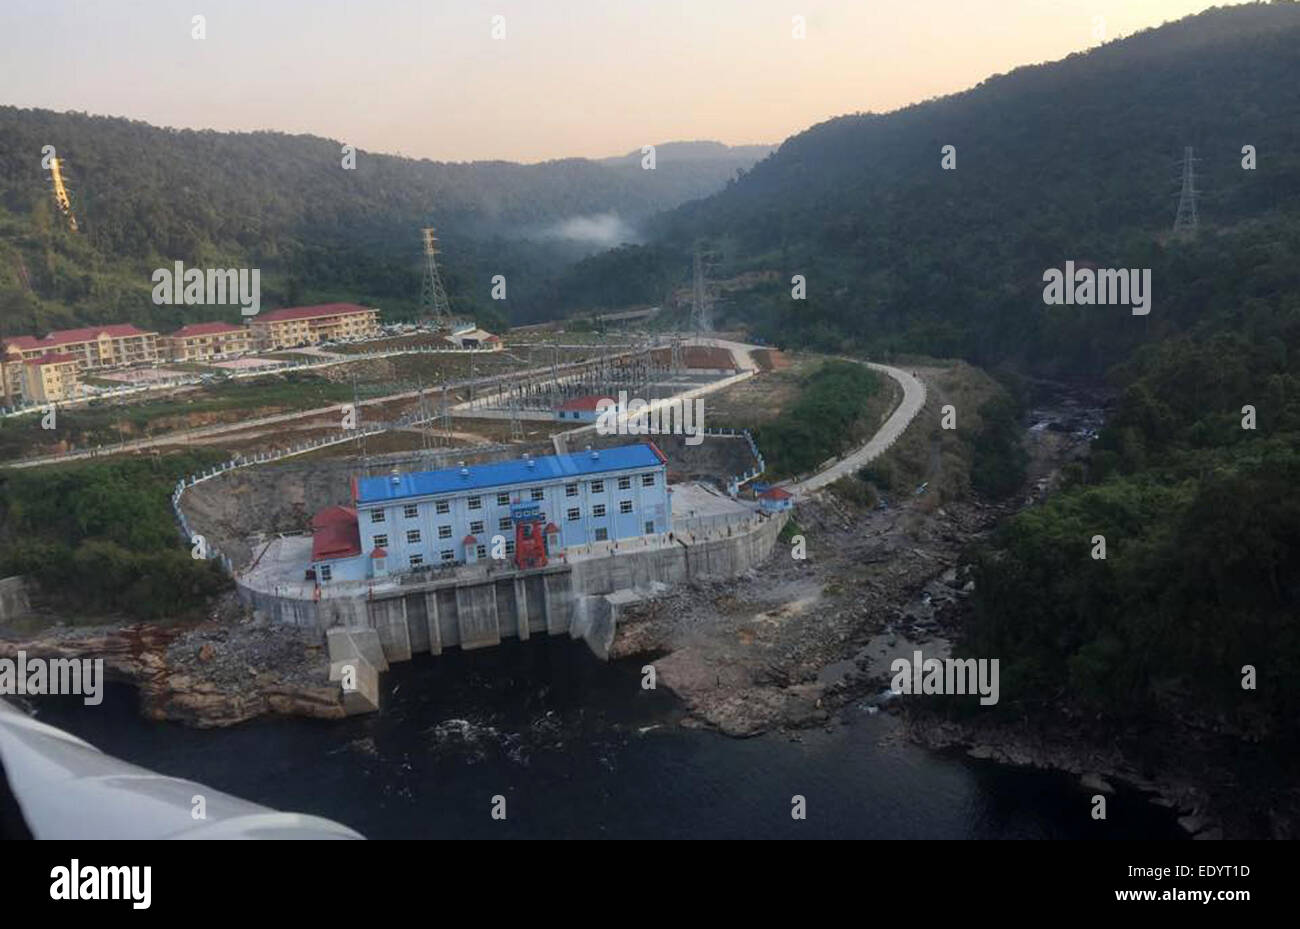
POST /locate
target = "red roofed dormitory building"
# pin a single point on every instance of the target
(295, 326)
(91, 347)
(201, 341)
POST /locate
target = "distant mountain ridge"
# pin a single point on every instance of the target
(1075, 159)
(670, 152)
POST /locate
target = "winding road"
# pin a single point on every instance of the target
(899, 420)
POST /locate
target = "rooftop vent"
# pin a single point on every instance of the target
(395, 477)
(464, 471)
(594, 454)
(531, 463)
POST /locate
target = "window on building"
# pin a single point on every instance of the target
(538, 493)
(442, 506)
(476, 526)
(625, 483)
(510, 546)
(416, 560)
(413, 536)
(447, 555)
(570, 490)
(598, 510)
(625, 506)
(602, 535)
(650, 527)
(379, 541)
(324, 572)
(410, 511)
(480, 551)
(376, 516)
(503, 499)
(597, 487)
(648, 480)
(444, 532)
(504, 524)
(476, 503)
(574, 514)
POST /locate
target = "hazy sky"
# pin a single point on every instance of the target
(571, 77)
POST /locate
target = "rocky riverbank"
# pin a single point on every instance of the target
(226, 670)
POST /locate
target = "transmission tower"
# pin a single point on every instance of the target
(61, 196)
(356, 424)
(1187, 220)
(423, 420)
(434, 305)
(676, 361)
(444, 414)
(516, 424)
(701, 298)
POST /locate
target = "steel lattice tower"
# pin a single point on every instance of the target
(701, 302)
(61, 195)
(434, 305)
(1187, 220)
(516, 423)
(444, 414)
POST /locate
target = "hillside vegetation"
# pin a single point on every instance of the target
(146, 197)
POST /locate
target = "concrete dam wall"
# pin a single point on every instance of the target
(583, 597)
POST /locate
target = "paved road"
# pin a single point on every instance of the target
(913, 401)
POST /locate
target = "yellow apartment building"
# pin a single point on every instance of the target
(202, 341)
(294, 326)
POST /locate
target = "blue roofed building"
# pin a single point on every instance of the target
(528, 509)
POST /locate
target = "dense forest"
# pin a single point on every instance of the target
(146, 197)
(101, 538)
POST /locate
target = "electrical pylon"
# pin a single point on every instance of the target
(444, 414)
(434, 305)
(516, 424)
(701, 298)
(1187, 220)
(61, 196)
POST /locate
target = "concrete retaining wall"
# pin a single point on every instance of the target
(14, 601)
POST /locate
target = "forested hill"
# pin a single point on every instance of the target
(1077, 159)
(147, 197)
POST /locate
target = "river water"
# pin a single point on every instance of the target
(578, 749)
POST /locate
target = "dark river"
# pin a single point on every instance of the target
(579, 750)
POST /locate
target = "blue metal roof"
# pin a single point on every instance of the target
(504, 473)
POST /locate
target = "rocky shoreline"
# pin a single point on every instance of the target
(220, 672)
